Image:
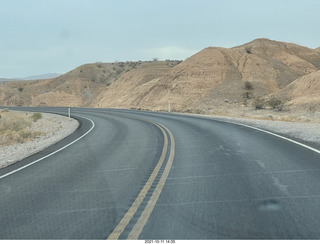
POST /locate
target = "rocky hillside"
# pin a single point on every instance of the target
(211, 81)
(217, 77)
(78, 87)
(123, 93)
(304, 92)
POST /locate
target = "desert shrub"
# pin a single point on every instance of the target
(25, 134)
(247, 95)
(248, 50)
(312, 109)
(20, 89)
(248, 86)
(36, 116)
(276, 103)
(259, 103)
(99, 64)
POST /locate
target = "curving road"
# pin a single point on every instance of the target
(144, 175)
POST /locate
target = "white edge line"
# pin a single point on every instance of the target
(36, 161)
(262, 130)
(273, 134)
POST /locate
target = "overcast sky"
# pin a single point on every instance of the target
(45, 36)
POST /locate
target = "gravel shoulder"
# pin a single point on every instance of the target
(305, 132)
(53, 127)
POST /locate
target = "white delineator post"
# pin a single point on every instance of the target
(169, 107)
(69, 112)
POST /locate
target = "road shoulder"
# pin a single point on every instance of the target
(53, 128)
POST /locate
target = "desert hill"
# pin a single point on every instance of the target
(304, 91)
(216, 76)
(211, 81)
(122, 93)
(79, 87)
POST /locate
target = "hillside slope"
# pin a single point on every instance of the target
(122, 93)
(216, 77)
(78, 87)
(213, 80)
(304, 91)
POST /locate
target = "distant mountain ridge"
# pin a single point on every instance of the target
(6, 80)
(41, 77)
(34, 77)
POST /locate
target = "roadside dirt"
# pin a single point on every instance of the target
(48, 130)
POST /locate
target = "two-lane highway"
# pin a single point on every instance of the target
(163, 176)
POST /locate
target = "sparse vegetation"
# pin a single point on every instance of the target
(276, 103)
(312, 109)
(247, 95)
(15, 127)
(99, 64)
(36, 116)
(98, 74)
(27, 135)
(259, 104)
(248, 50)
(248, 86)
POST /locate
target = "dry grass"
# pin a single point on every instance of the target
(15, 127)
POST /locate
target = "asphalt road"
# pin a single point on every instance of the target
(162, 176)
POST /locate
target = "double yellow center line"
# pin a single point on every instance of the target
(137, 228)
